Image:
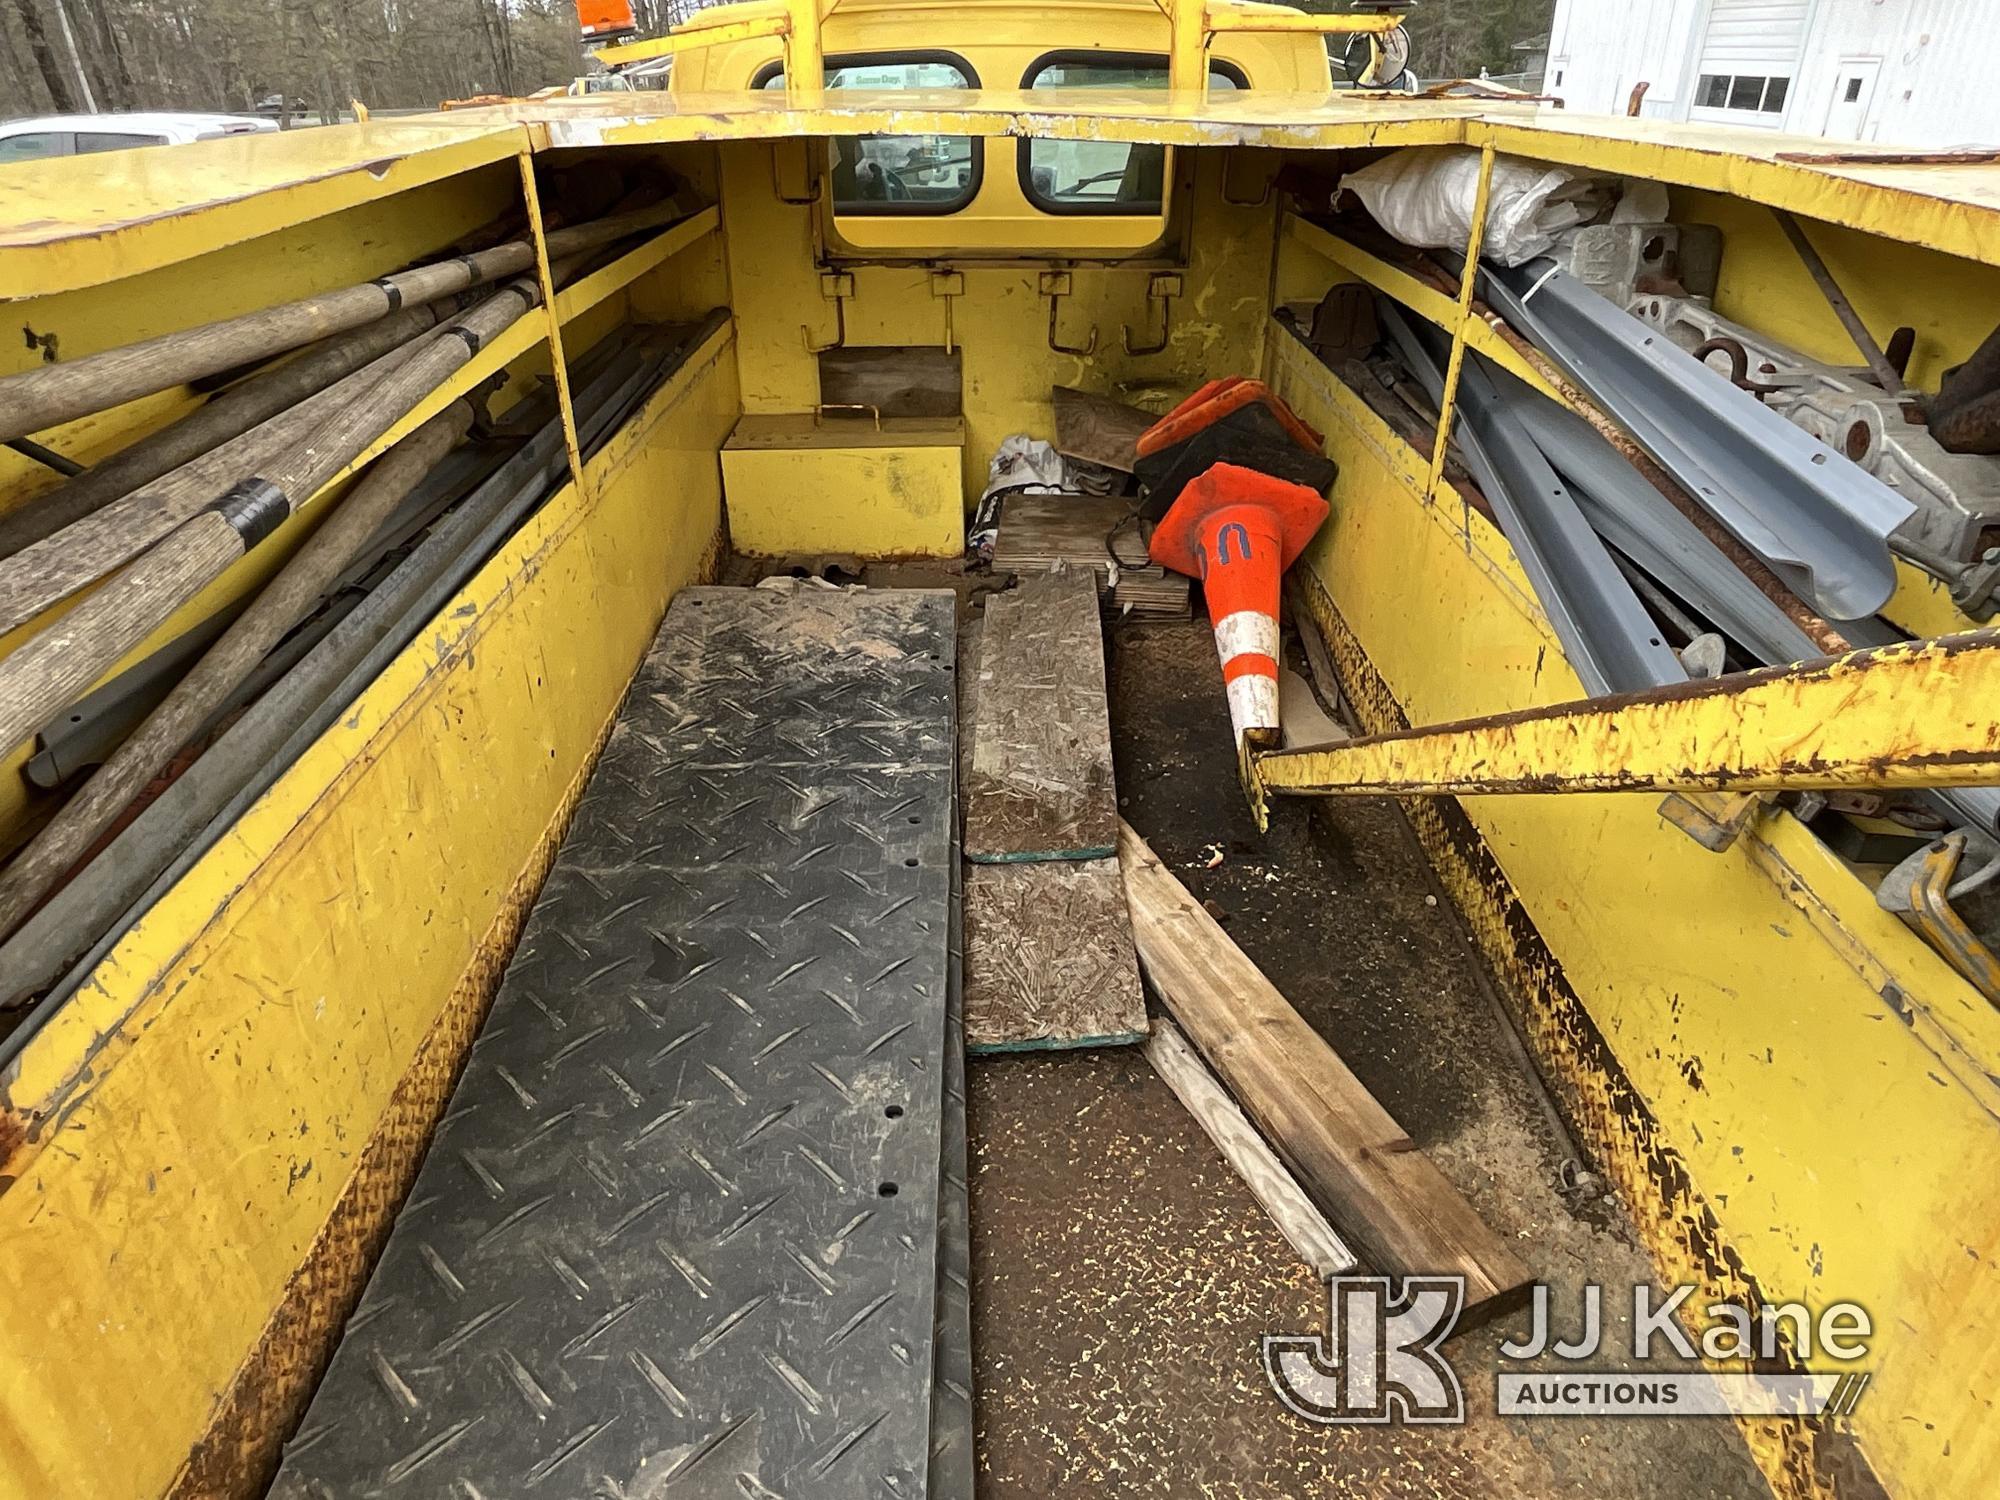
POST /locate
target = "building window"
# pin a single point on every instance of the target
(1750, 92)
(898, 174)
(1102, 177)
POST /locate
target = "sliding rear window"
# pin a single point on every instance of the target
(1102, 177)
(898, 174)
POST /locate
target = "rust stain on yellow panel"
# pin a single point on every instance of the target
(1785, 1083)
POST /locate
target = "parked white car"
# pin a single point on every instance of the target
(79, 135)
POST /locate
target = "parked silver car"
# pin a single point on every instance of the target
(79, 135)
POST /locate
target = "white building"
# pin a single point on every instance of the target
(1899, 72)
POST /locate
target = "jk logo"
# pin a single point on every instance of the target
(1380, 1360)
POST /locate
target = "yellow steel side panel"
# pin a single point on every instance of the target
(1000, 322)
(77, 221)
(1953, 209)
(1826, 1080)
(1922, 605)
(790, 487)
(180, 1133)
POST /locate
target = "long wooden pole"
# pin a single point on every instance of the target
(50, 394)
(61, 661)
(1347, 1152)
(208, 684)
(45, 572)
(267, 394)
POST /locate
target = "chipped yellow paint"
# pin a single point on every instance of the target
(1911, 715)
(1000, 319)
(1793, 1092)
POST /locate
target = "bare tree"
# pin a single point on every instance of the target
(55, 78)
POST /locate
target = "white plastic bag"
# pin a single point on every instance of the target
(1424, 196)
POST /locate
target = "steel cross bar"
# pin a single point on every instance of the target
(1916, 714)
(693, 39)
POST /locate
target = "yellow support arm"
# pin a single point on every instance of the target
(691, 38)
(1918, 714)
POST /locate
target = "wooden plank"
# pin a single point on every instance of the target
(1346, 1150)
(1039, 531)
(1040, 784)
(913, 381)
(1304, 1227)
(1098, 429)
(1049, 961)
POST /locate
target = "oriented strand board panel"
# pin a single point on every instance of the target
(1049, 960)
(803, 483)
(1040, 782)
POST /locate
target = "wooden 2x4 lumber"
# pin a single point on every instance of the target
(1305, 1229)
(1346, 1150)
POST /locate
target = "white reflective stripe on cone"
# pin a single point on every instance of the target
(1253, 702)
(1246, 630)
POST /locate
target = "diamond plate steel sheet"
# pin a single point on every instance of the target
(678, 1234)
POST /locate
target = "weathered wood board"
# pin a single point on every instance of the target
(1049, 960)
(1039, 785)
(1344, 1148)
(1098, 429)
(1304, 1227)
(897, 382)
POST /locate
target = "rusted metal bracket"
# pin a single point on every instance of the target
(1161, 290)
(1056, 285)
(1919, 891)
(1916, 714)
(1714, 820)
(836, 287)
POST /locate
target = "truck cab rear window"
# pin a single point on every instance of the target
(898, 174)
(1102, 177)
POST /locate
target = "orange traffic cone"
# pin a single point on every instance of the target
(1237, 530)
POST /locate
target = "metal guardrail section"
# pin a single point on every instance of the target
(678, 1232)
(1821, 522)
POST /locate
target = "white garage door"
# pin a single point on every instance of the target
(1747, 57)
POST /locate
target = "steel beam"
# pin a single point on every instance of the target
(1821, 522)
(1917, 714)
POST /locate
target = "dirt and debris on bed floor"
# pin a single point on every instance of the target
(1123, 1276)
